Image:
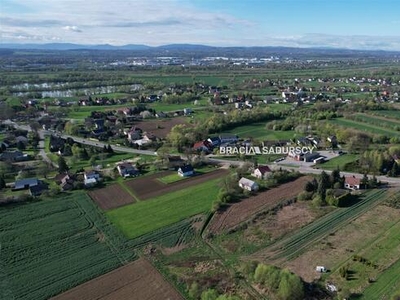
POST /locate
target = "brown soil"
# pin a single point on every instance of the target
(160, 127)
(138, 280)
(110, 197)
(239, 212)
(149, 187)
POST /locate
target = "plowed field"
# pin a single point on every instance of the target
(110, 197)
(138, 280)
(239, 212)
(149, 187)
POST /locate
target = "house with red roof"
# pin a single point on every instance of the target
(262, 172)
(352, 183)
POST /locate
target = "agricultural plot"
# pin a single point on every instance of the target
(50, 246)
(365, 127)
(258, 131)
(166, 209)
(386, 285)
(239, 212)
(110, 197)
(336, 249)
(391, 114)
(338, 162)
(297, 243)
(150, 186)
(161, 128)
(137, 280)
(378, 121)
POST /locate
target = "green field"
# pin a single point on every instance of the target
(146, 216)
(394, 114)
(386, 285)
(171, 178)
(378, 121)
(258, 131)
(50, 246)
(339, 161)
(364, 127)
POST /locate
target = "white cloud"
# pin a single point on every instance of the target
(72, 28)
(157, 22)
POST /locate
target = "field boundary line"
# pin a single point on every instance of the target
(123, 186)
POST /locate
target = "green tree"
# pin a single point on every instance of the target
(2, 183)
(335, 176)
(20, 146)
(62, 165)
(209, 294)
(194, 290)
(323, 185)
(290, 286)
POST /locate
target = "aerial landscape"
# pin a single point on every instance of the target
(199, 150)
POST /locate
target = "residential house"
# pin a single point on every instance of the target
(187, 111)
(203, 146)
(352, 183)
(304, 142)
(333, 140)
(14, 156)
(37, 190)
(215, 141)
(26, 183)
(276, 143)
(91, 178)
(161, 115)
(22, 139)
(186, 171)
(228, 138)
(127, 170)
(248, 184)
(175, 162)
(134, 134)
(262, 172)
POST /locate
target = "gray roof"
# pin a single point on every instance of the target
(27, 182)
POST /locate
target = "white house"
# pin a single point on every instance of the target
(352, 183)
(186, 171)
(91, 178)
(261, 172)
(248, 184)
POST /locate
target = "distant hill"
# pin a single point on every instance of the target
(69, 46)
(199, 51)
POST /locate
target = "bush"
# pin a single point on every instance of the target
(304, 196)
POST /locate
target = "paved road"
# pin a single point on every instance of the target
(101, 145)
(43, 133)
(304, 169)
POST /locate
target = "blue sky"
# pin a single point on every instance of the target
(356, 24)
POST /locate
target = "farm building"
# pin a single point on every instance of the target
(186, 171)
(14, 156)
(174, 162)
(309, 157)
(261, 172)
(127, 169)
(26, 183)
(228, 138)
(248, 184)
(352, 183)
